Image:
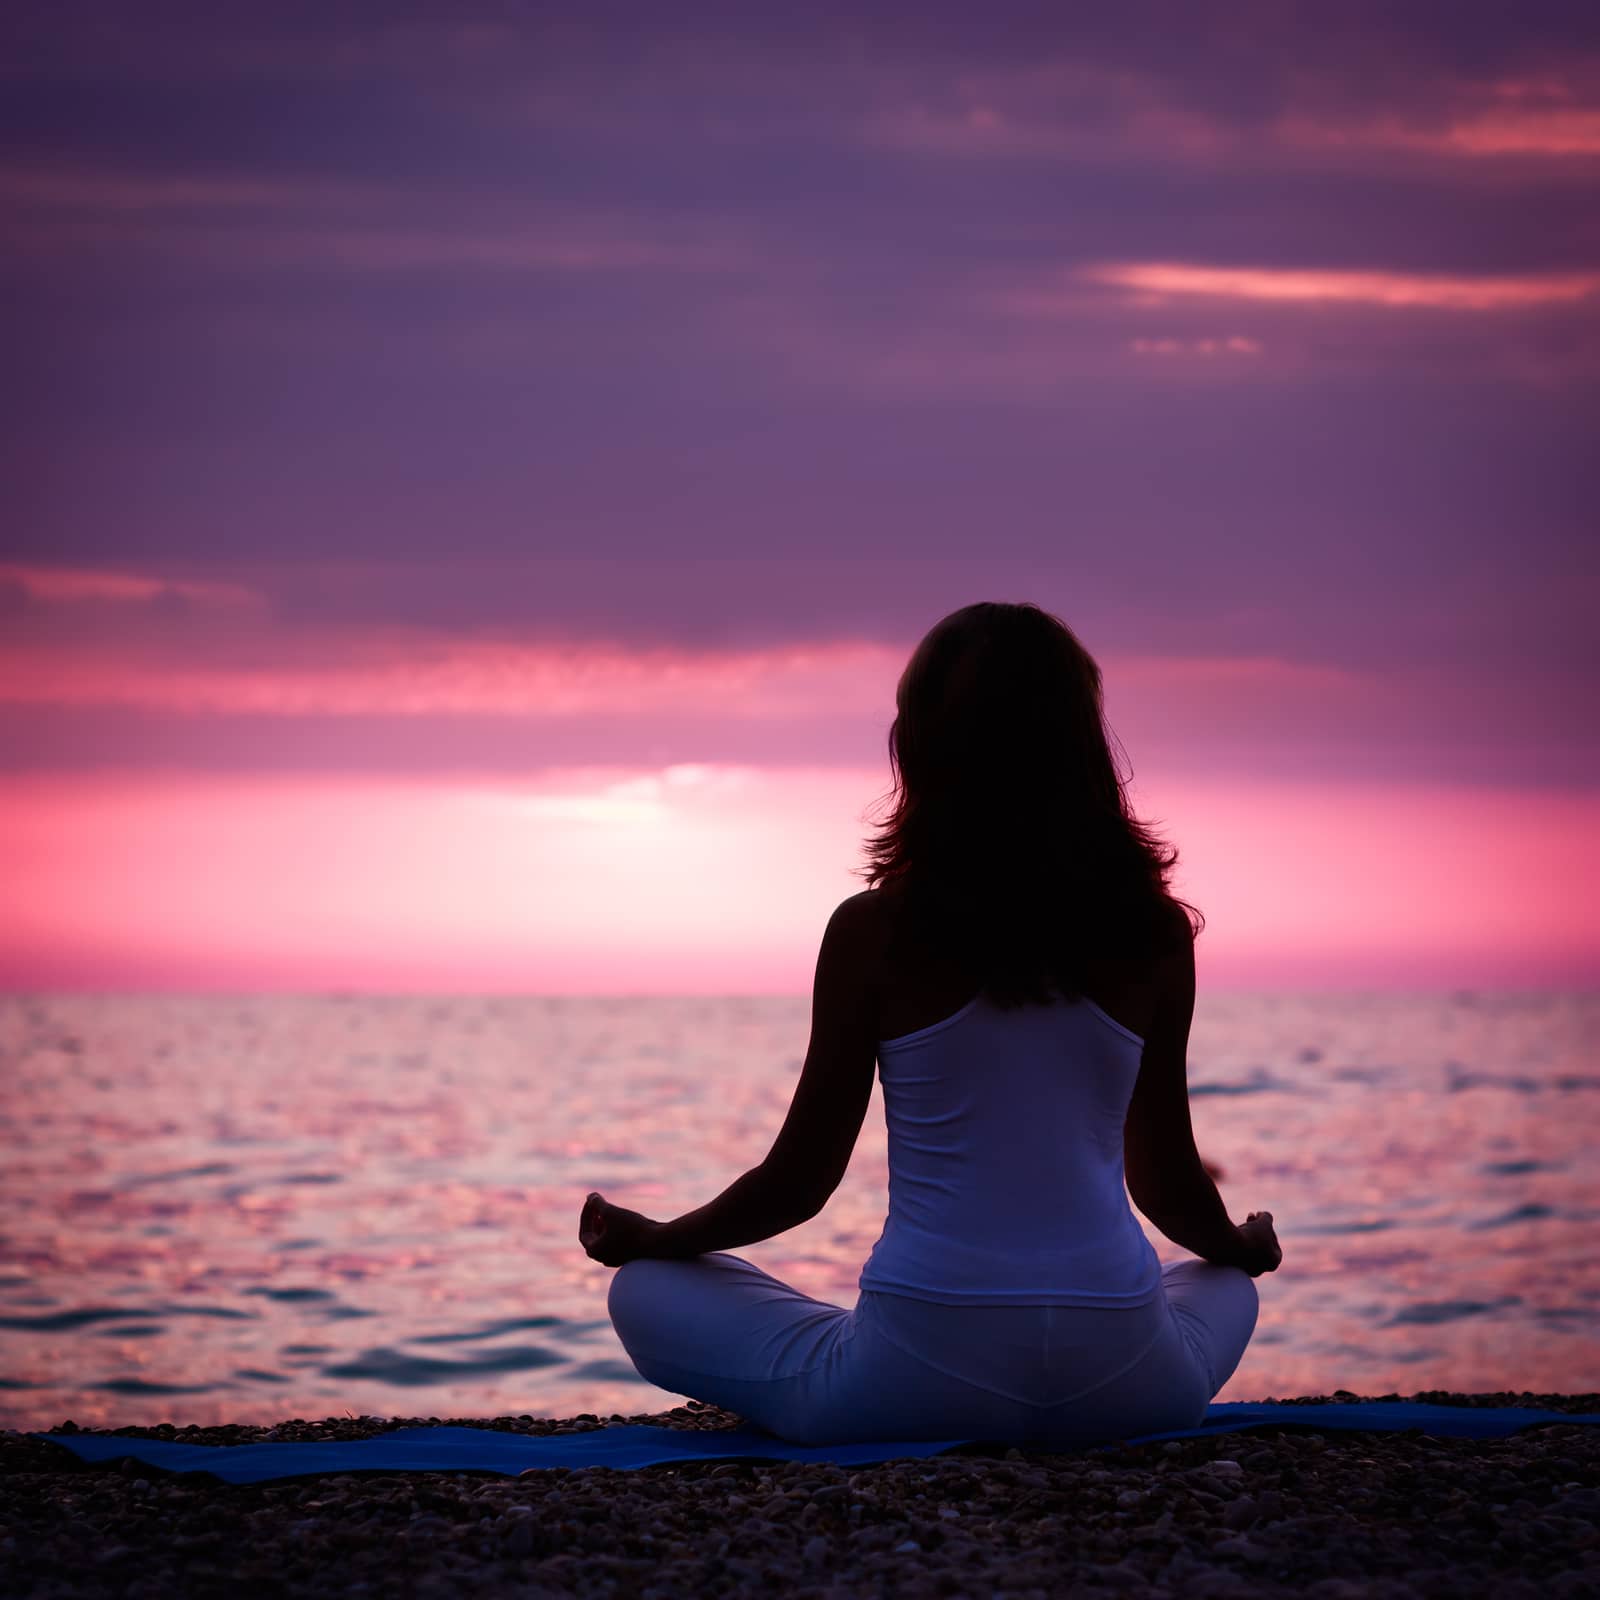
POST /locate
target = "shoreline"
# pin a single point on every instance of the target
(1266, 1511)
(692, 1414)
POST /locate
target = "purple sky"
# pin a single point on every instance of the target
(1262, 333)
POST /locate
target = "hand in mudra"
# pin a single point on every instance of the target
(611, 1235)
(1261, 1242)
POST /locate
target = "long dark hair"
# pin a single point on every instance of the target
(1010, 844)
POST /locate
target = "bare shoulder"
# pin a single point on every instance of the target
(861, 925)
(863, 919)
(1139, 993)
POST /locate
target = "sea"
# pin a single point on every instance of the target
(252, 1208)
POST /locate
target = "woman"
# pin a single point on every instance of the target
(1025, 982)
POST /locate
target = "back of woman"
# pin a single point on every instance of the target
(995, 1116)
(1012, 1293)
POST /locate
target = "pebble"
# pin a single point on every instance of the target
(1379, 1517)
(1242, 1548)
(1241, 1513)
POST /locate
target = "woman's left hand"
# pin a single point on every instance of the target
(611, 1235)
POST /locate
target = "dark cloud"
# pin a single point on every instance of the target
(720, 325)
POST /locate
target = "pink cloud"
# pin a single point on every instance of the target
(1066, 111)
(521, 704)
(1549, 118)
(1549, 133)
(415, 674)
(67, 585)
(1155, 281)
(352, 672)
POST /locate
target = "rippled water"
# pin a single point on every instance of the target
(218, 1209)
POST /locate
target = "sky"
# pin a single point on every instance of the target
(475, 473)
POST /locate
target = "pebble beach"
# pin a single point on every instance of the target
(1329, 1516)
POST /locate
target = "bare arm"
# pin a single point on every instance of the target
(1167, 1180)
(812, 1150)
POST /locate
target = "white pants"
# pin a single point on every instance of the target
(718, 1329)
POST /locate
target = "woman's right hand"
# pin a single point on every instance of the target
(1262, 1251)
(613, 1236)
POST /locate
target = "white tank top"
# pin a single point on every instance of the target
(1005, 1160)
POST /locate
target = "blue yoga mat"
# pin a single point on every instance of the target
(445, 1449)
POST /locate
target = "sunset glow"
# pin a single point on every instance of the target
(717, 880)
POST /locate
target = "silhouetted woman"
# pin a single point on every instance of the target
(1025, 982)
